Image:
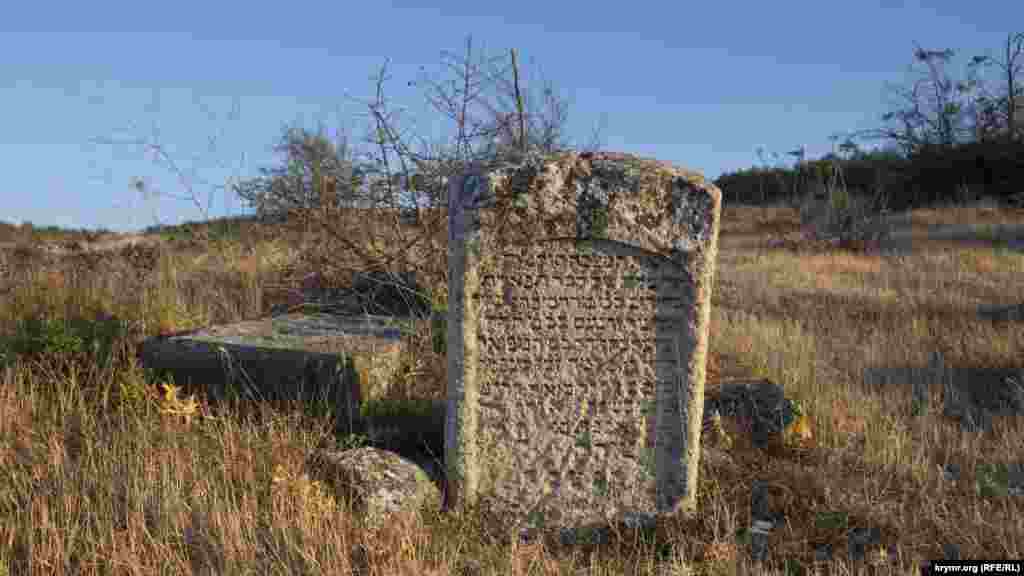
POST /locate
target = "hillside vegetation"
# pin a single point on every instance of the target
(107, 470)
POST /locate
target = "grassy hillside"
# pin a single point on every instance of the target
(105, 470)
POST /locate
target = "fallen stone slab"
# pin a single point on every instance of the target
(305, 357)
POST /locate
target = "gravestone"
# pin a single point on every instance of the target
(579, 302)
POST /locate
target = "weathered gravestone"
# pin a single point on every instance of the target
(579, 302)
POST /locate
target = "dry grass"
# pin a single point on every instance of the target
(103, 472)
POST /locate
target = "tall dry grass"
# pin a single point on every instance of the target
(106, 471)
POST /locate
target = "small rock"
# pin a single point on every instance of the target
(823, 553)
(379, 483)
(471, 567)
(761, 402)
(760, 530)
(1013, 313)
(759, 502)
(1009, 398)
(951, 472)
(1015, 480)
(859, 540)
(975, 403)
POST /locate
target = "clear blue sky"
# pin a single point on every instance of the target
(701, 84)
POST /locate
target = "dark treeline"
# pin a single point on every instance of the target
(934, 176)
(950, 142)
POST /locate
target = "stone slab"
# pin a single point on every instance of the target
(579, 302)
(343, 360)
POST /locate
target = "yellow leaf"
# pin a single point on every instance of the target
(173, 405)
(801, 428)
(170, 394)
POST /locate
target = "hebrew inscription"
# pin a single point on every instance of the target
(577, 344)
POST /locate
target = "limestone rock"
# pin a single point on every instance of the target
(549, 237)
(379, 483)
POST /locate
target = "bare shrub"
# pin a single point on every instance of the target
(399, 226)
(838, 214)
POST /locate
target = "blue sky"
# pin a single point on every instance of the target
(698, 84)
